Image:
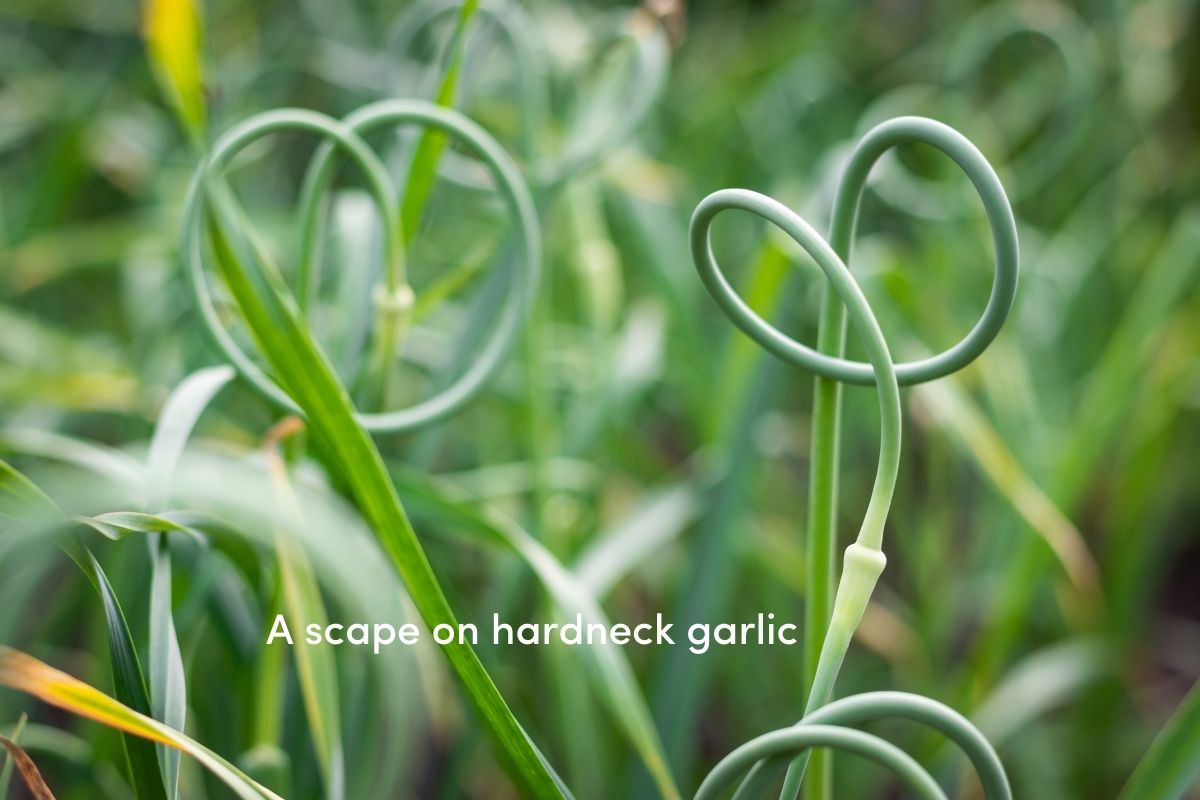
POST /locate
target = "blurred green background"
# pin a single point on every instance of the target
(1043, 546)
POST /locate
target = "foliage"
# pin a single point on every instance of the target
(611, 445)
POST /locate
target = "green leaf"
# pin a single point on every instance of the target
(179, 416)
(956, 414)
(117, 524)
(316, 665)
(1172, 764)
(168, 683)
(108, 463)
(306, 373)
(423, 170)
(128, 681)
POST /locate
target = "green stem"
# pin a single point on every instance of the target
(394, 300)
(824, 467)
(833, 626)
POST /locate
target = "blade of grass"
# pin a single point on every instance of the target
(168, 682)
(423, 169)
(21, 499)
(112, 465)
(303, 368)
(179, 416)
(301, 598)
(129, 682)
(26, 674)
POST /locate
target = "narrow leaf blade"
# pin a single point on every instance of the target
(26, 674)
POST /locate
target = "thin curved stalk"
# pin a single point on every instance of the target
(832, 617)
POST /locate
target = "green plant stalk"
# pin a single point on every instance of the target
(285, 341)
(394, 301)
(861, 570)
(429, 149)
(520, 272)
(393, 314)
(864, 559)
(820, 547)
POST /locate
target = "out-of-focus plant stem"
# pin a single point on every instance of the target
(395, 302)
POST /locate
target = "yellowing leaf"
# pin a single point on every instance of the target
(173, 36)
(26, 674)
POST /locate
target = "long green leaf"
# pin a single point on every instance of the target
(316, 665)
(129, 682)
(431, 144)
(969, 429)
(179, 416)
(275, 322)
(108, 463)
(168, 683)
